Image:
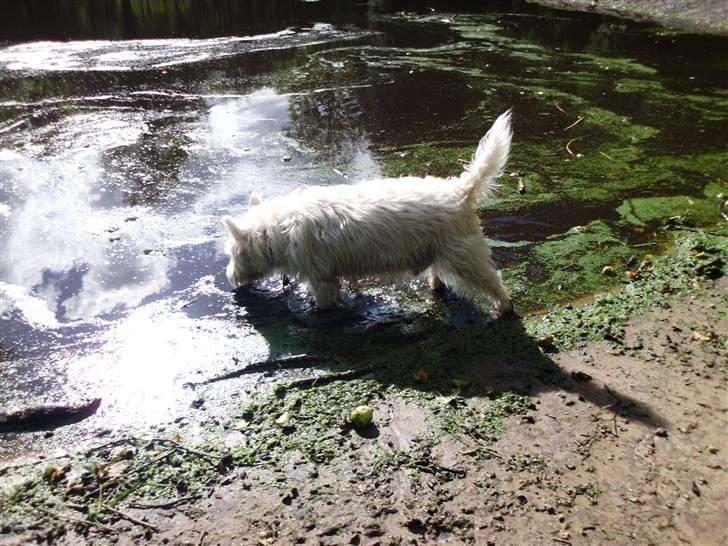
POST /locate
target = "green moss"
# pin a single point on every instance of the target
(568, 265)
(696, 256)
(425, 159)
(660, 210)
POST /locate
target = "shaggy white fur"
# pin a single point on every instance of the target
(387, 226)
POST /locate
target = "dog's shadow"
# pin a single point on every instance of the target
(452, 338)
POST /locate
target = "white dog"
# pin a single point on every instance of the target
(388, 226)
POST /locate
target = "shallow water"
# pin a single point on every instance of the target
(125, 136)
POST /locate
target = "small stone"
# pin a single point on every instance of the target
(661, 432)
(695, 489)
(713, 450)
(608, 270)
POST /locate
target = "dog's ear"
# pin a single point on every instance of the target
(234, 230)
(255, 199)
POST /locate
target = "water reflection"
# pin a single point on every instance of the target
(111, 277)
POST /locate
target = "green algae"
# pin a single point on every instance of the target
(696, 257)
(566, 266)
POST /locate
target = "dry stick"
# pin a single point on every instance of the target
(130, 518)
(73, 519)
(275, 364)
(608, 157)
(330, 378)
(202, 538)
(577, 122)
(212, 458)
(168, 504)
(558, 107)
(568, 144)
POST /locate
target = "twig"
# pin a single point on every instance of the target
(329, 378)
(73, 519)
(561, 540)
(568, 144)
(167, 504)
(212, 458)
(577, 122)
(153, 461)
(269, 365)
(607, 156)
(558, 107)
(202, 538)
(130, 518)
(434, 468)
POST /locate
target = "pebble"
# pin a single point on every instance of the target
(661, 432)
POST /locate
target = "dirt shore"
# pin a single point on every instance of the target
(606, 430)
(701, 16)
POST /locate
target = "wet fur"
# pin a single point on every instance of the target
(381, 227)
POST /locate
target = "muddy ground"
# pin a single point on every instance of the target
(575, 427)
(630, 450)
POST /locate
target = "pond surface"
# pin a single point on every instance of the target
(129, 130)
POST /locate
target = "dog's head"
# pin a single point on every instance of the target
(247, 264)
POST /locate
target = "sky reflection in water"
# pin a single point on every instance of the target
(106, 246)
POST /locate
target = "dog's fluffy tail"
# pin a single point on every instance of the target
(489, 160)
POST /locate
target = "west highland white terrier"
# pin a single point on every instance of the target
(397, 226)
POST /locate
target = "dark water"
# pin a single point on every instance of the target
(127, 128)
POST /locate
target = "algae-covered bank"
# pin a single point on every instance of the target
(144, 402)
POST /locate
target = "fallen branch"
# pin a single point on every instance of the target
(129, 517)
(215, 459)
(329, 378)
(166, 504)
(270, 365)
(434, 469)
(46, 417)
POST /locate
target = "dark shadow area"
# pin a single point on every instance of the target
(450, 338)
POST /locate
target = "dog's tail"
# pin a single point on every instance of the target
(489, 160)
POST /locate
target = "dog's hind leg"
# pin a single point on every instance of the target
(469, 267)
(325, 292)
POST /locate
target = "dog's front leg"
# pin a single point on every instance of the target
(325, 292)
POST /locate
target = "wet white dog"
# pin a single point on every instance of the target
(388, 226)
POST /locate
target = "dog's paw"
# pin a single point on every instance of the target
(504, 309)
